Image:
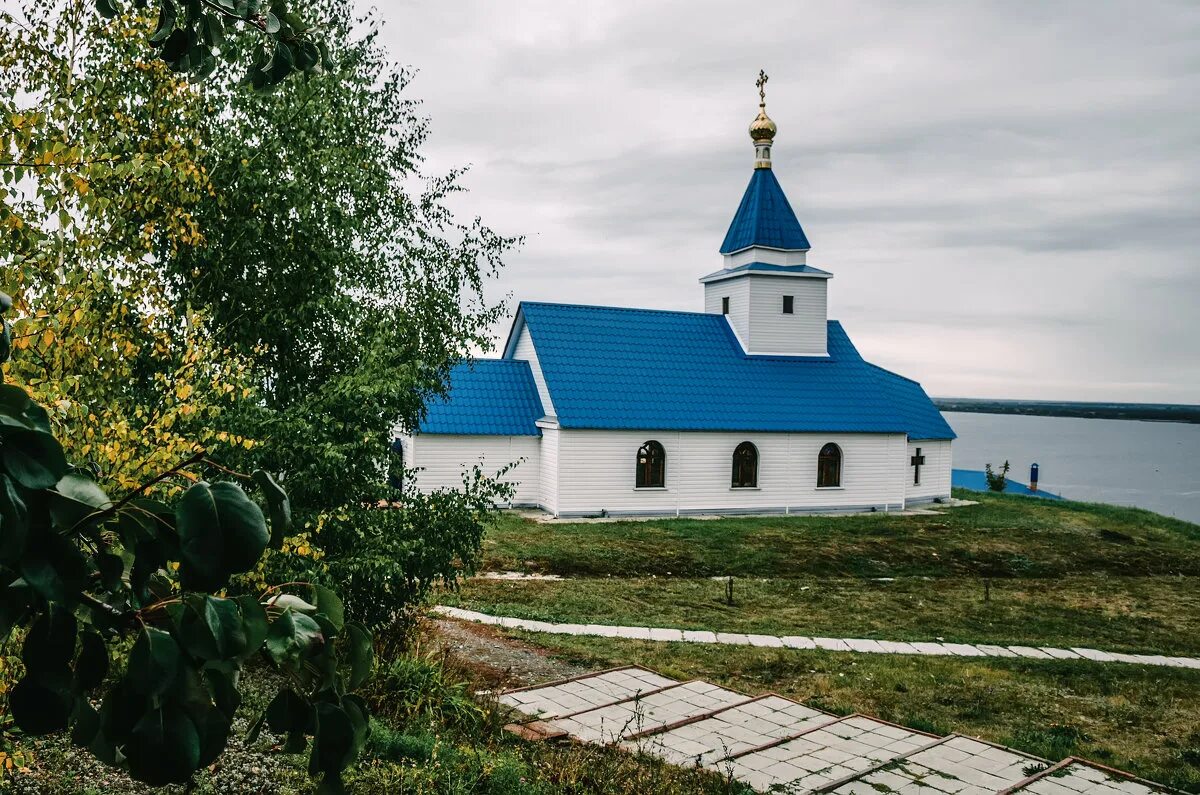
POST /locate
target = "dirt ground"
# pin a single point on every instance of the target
(498, 662)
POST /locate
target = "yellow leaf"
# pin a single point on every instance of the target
(47, 338)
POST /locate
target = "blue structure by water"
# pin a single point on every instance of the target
(976, 480)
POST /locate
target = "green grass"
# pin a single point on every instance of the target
(1002, 536)
(1061, 574)
(1132, 614)
(1142, 719)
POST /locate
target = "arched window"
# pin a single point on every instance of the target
(651, 466)
(829, 466)
(745, 466)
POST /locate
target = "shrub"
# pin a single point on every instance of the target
(996, 481)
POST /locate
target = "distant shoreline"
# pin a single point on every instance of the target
(1156, 412)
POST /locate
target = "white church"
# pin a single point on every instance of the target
(757, 404)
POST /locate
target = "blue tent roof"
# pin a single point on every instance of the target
(608, 367)
(487, 396)
(764, 218)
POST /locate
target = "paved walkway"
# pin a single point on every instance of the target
(831, 644)
(776, 744)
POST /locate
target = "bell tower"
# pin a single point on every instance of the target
(776, 303)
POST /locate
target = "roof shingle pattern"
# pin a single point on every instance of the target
(764, 218)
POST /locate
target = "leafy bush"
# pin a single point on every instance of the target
(384, 556)
(996, 481)
(84, 574)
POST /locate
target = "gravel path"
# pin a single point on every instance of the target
(501, 662)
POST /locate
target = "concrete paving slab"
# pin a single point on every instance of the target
(1077, 776)
(654, 711)
(955, 766)
(821, 756)
(831, 644)
(572, 695)
(731, 730)
(798, 642)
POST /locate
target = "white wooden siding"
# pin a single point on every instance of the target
(756, 312)
(801, 333)
(548, 489)
(596, 472)
(443, 458)
(738, 292)
(524, 349)
(771, 256)
(935, 474)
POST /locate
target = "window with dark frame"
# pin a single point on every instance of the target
(787, 305)
(651, 466)
(745, 466)
(725, 305)
(829, 467)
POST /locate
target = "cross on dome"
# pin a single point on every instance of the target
(762, 129)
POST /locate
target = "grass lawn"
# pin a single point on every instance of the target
(1137, 615)
(1143, 719)
(1060, 573)
(1003, 536)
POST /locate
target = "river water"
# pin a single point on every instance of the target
(1154, 465)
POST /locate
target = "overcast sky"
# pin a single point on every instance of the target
(1007, 194)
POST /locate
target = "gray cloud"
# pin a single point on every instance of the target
(1008, 193)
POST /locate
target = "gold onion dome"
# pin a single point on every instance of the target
(762, 128)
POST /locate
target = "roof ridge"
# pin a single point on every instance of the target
(619, 308)
(892, 373)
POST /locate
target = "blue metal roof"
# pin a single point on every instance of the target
(608, 367)
(489, 397)
(764, 218)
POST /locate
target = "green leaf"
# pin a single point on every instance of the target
(255, 621)
(224, 619)
(214, 30)
(288, 712)
(223, 686)
(362, 655)
(272, 24)
(91, 666)
(85, 723)
(111, 567)
(14, 522)
(144, 519)
(213, 728)
(50, 644)
(221, 532)
(54, 567)
(166, 22)
(356, 710)
(329, 604)
(333, 741)
(33, 458)
(106, 8)
(153, 662)
(17, 410)
(256, 728)
(164, 747)
(278, 506)
(75, 498)
(40, 704)
(291, 637)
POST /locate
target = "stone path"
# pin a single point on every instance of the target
(832, 644)
(773, 743)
